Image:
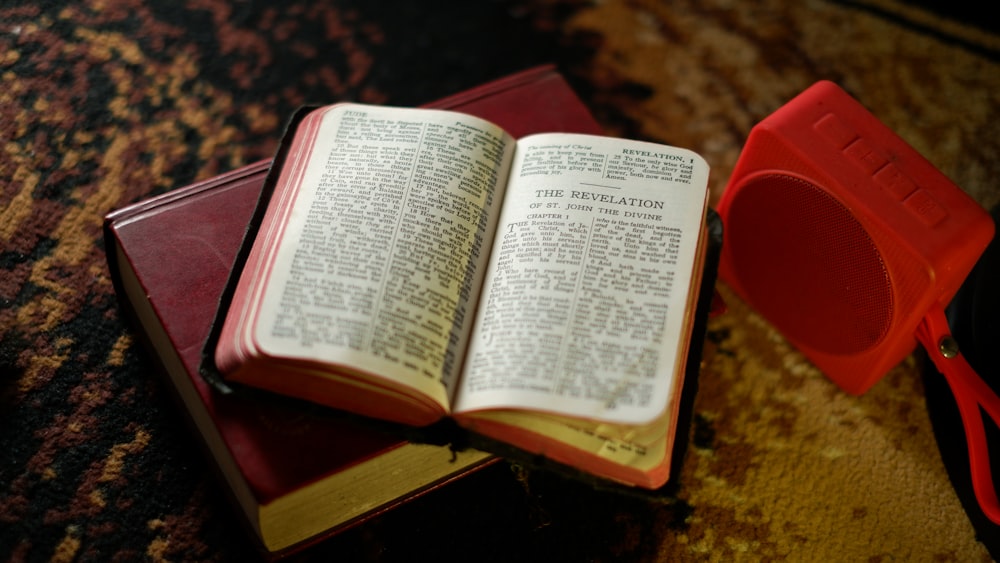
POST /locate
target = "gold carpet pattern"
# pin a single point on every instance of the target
(108, 102)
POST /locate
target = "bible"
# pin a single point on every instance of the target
(414, 265)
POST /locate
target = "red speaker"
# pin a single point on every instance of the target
(851, 244)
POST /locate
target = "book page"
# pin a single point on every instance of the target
(378, 265)
(584, 308)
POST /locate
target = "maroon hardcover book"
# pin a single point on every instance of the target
(296, 477)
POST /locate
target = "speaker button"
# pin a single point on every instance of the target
(926, 208)
(864, 154)
(892, 180)
(835, 130)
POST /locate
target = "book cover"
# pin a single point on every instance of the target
(297, 477)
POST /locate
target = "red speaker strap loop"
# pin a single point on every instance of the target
(973, 396)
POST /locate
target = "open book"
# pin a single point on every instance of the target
(416, 264)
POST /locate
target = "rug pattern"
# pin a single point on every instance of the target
(106, 102)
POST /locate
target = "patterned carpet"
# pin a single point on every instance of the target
(108, 102)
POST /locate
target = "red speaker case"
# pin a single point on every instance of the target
(843, 236)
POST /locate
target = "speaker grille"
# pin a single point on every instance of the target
(807, 264)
